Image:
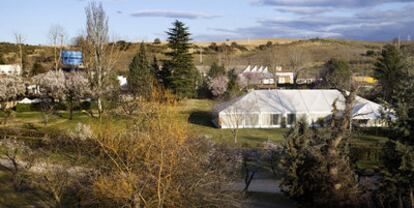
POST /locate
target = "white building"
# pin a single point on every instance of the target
(281, 108)
(29, 101)
(284, 77)
(267, 78)
(11, 69)
(122, 81)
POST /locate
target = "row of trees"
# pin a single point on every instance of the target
(177, 73)
(394, 73)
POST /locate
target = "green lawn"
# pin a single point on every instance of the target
(196, 111)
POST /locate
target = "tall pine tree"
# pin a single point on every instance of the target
(215, 71)
(155, 70)
(389, 69)
(179, 72)
(140, 75)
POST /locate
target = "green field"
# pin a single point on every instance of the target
(195, 111)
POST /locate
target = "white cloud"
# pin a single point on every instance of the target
(304, 10)
(173, 14)
(373, 24)
(327, 3)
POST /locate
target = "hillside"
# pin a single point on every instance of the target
(251, 43)
(236, 53)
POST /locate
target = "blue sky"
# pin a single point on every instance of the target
(137, 20)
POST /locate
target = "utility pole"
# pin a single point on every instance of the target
(201, 55)
(399, 41)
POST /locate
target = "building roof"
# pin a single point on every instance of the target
(297, 102)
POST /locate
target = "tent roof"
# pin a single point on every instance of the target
(297, 102)
(29, 101)
(368, 110)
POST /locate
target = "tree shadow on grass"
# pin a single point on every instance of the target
(202, 118)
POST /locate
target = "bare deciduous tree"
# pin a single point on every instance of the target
(155, 164)
(56, 36)
(16, 158)
(274, 62)
(20, 43)
(297, 58)
(100, 55)
(236, 116)
(54, 180)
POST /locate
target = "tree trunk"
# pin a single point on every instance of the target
(400, 201)
(70, 109)
(295, 80)
(411, 197)
(235, 134)
(100, 108)
(333, 145)
(249, 175)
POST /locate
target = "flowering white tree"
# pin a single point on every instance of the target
(253, 78)
(56, 86)
(52, 84)
(76, 88)
(52, 89)
(218, 85)
(11, 87)
(242, 82)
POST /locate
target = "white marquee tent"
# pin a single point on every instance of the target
(280, 108)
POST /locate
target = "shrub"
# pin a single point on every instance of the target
(370, 53)
(157, 41)
(27, 107)
(85, 105)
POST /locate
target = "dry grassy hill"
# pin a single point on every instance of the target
(250, 43)
(238, 53)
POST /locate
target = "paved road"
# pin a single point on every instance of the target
(265, 193)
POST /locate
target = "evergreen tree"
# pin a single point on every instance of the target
(308, 177)
(233, 89)
(397, 182)
(337, 74)
(140, 77)
(389, 69)
(37, 68)
(179, 73)
(2, 61)
(215, 71)
(155, 70)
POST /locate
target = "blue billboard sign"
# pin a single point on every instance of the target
(73, 58)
